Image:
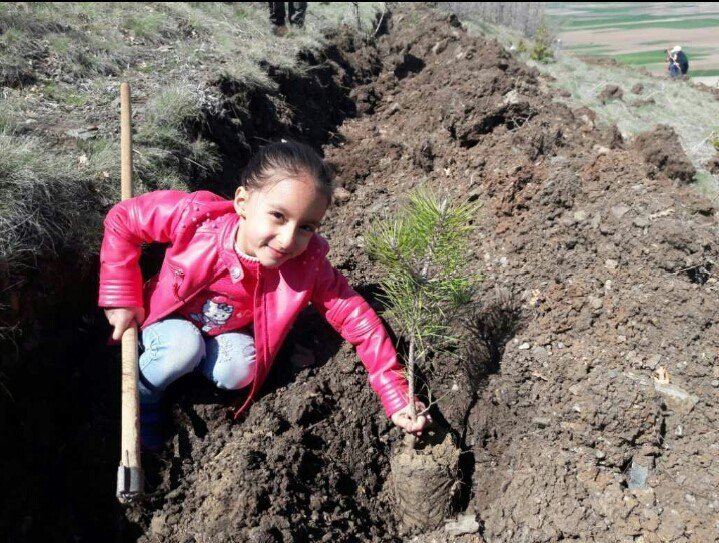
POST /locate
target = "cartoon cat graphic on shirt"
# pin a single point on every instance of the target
(214, 315)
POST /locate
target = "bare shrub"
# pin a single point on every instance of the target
(523, 16)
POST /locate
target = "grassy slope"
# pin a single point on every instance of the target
(693, 113)
(61, 64)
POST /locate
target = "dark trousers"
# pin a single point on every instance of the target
(296, 11)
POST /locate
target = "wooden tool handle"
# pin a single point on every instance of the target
(130, 444)
(129, 481)
(125, 142)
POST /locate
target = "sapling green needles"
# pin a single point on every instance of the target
(427, 281)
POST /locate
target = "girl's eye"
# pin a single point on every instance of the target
(277, 215)
(309, 228)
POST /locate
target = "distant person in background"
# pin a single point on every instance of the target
(296, 11)
(681, 59)
(678, 63)
(672, 65)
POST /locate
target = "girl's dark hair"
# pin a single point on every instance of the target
(291, 157)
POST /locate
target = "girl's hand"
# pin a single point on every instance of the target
(403, 419)
(121, 319)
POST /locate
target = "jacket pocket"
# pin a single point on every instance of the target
(178, 278)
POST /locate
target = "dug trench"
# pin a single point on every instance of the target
(598, 277)
(59, 379)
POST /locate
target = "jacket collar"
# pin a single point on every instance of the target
(226, 247)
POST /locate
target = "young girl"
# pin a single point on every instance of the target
(235, 276)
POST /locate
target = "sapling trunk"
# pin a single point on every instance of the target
(410, 381)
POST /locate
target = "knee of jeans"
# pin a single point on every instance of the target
(186, 353)
(235, 367)
(230, 361)
(234, 376)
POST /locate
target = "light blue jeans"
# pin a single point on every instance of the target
(175, 347)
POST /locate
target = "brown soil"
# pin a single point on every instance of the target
(610, 92)
(598, 271)
(662, 149)
(566, 435)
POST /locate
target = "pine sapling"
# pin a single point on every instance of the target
(426, 283)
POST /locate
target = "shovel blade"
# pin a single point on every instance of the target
(129, 483)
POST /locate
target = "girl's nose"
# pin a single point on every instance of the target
(287, 238)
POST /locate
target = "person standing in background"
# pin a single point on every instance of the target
(681, 59)
(672, 65)
(296, 12)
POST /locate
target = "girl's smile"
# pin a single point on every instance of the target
(279, 221)
(277, 254)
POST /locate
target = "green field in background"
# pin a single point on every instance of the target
(658, 56)
(684, 24)
(600, 18)
(638, 21)
(654, 42)
(593, 49)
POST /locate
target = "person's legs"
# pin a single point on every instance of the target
(297, 12)
(277, 13)
(170, 349)
(230, 360)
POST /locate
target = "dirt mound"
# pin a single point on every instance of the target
(609, 93)
(661, 148)
(16, 76)
(566, 432)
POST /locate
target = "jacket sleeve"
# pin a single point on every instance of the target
(151, 217)
(356, 321)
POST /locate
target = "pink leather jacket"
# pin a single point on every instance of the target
(198, 229)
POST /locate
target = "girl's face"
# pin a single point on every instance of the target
(279, 220)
